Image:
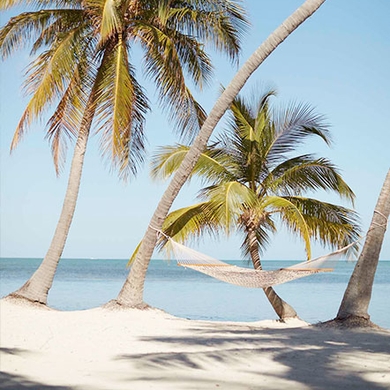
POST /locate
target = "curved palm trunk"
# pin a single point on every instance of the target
(131, 293)
(357, 296)
(282, 308)
(37, 287)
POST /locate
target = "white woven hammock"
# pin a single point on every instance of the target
(247, 277)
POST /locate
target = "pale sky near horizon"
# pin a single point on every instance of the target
(337, 61)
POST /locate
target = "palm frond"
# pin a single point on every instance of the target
(292, 217)
(164, 66)
(48, 78)
(331, 225)
(66, 22)
(293, 126)
(227, 201)
(40, 4)
(187, 113)
(250, 136)
(190, 223)
(66, 120)
(111, 23)
(221, 24)
(242, 121)
(167, 160)
(193, 58)
(26, 27)
(250, 118)
(213, 164)
(121, 107)
(303, 173)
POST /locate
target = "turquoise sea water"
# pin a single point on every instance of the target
(85, 283)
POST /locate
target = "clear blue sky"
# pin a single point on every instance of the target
(338, 61)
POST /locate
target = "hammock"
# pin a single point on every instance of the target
(247, 277)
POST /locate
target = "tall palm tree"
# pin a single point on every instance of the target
(353, 310)
(255, 180)
(84, 68)
(131, 294)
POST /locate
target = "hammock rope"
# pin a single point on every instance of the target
(246, 277)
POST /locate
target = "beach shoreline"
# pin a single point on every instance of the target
(98, 349)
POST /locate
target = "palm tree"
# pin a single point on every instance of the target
(83, 67)
(353, 310)
(131, 294)
(254, 180)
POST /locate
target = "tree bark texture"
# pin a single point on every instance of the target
(37, 287)
(357, 296)
(281, 308)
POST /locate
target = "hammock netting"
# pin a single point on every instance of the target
(247, 277)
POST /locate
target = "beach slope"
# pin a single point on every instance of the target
(102, 349)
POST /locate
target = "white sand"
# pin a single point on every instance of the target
(132, 349)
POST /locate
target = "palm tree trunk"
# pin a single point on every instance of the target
(37, 287)
(131, 293)
(357, 296)
(282, 308)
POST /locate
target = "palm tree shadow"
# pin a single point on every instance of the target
(17, 382)
(304, 358)
(334, 359)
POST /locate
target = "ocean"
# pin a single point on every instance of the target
(86, 283)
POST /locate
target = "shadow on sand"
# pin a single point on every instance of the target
(18, 382)
(302, 358)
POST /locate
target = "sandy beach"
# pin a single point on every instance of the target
(132, 349)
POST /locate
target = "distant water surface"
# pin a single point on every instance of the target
(85, 283)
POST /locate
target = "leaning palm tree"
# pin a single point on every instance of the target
(353, 309)
(255, 180)
(84, 68)
(131, 294)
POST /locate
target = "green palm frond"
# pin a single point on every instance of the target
(221, 24)
(251, 121)
(65, 121)
(262, 113)
(190, 222)
(303, 173)
(48, 79)
(64, 124)
(39, 4)
(329, 224)
(291, 216)
(164, 62)
(212, 164)
(194, 60)
(121, 107)
(25, 28)
(241, 120)
(215, 166)
(250, 136)
(111, 23)
(293, 126)
(167, 160)
(188, 115)
(227, 201)
(66, 22)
